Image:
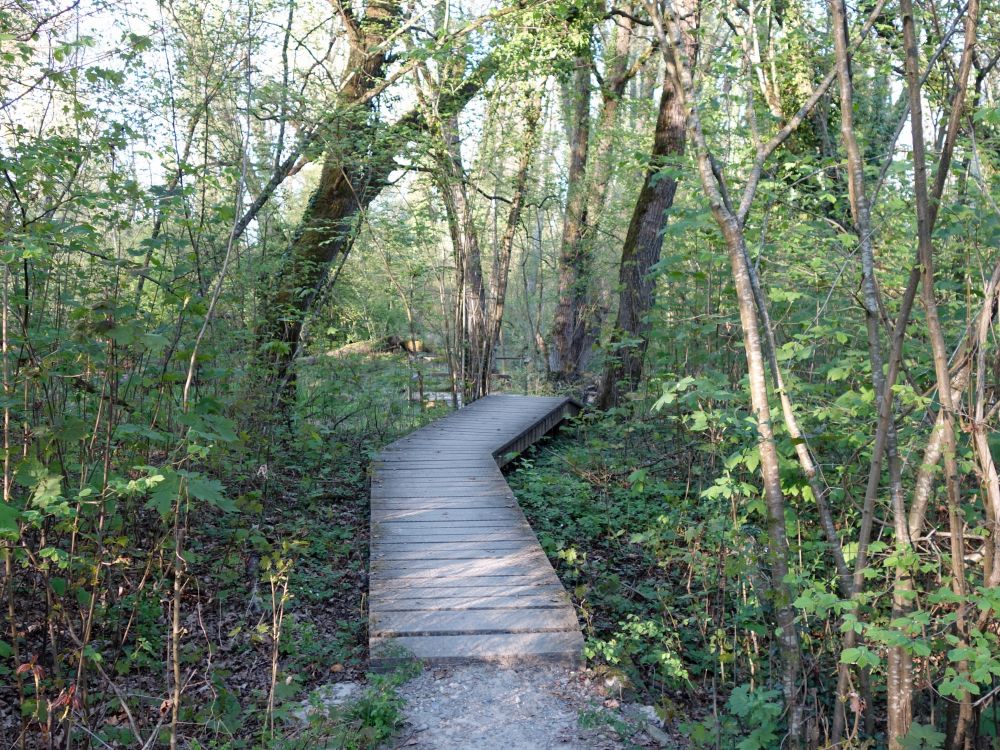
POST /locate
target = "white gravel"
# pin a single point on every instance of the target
(484, 707)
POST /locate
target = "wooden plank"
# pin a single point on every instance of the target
(417, 503)
(441, 473)
(449, 552)
(468, 536)
(405, 570)
(468, 622)
(497, 599)
(404, 528)
(404, 574)
(443, 467)
(438, 515)
(407, 557)
(385, 478)
(436, 552)
(504, 649)
(522, 549)
(448, 593)
(534, 579)
(450, 501)
(439, 489)
(456, 570)
(481, 491)
(407, 552)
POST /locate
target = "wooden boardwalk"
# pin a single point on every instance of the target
(456, 572)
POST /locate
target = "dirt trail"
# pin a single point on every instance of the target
(484, 707)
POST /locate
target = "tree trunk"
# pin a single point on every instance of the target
(641, 252)
(502, 256)
(616, 78)
(471, 324)
(348, 183)
(346, 186)
(731, 228)
(961, 720)
(899, 678)
(576, 322)
(569, 327)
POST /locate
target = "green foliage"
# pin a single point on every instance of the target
(752, 721)
(622, 538)
(361, 724)
(547, 38)
(922, 737)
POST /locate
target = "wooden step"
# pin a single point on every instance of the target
(470, 622)
(504, 649)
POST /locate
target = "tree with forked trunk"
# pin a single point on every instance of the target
(361, 152)
(576, 319)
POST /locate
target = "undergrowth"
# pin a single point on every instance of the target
(358, 724)
(273, 601)
(659, 566)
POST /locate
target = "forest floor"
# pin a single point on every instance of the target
(482, 707)
(528, 708)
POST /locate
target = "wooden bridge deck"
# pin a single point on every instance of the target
(456, 573)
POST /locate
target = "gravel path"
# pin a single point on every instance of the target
(484, 707)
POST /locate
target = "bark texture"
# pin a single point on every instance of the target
(731, 227)
(500, 272)
(471, 312)
(360, 156)
(641, 252)
(899, 685)
(569, 326)
(961, 717)
(350, 179)
(591, 167)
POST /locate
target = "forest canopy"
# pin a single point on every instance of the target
(247, 243)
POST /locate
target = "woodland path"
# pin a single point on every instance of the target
(485, 707)
(457, 575)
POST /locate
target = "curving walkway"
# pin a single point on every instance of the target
(456, 572)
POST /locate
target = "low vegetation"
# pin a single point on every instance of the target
(246, 243)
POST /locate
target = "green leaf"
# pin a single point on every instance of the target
(922, 737)
(699, 422)
(209, 491)
(46, 491)
(164, 494)
(850, 552)
(123, 335)
(211, 427)
(862, 656)
(154, 341)
(126, 430)
(8, 519)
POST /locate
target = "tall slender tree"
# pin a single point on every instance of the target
(643, 242)
(570, 324)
